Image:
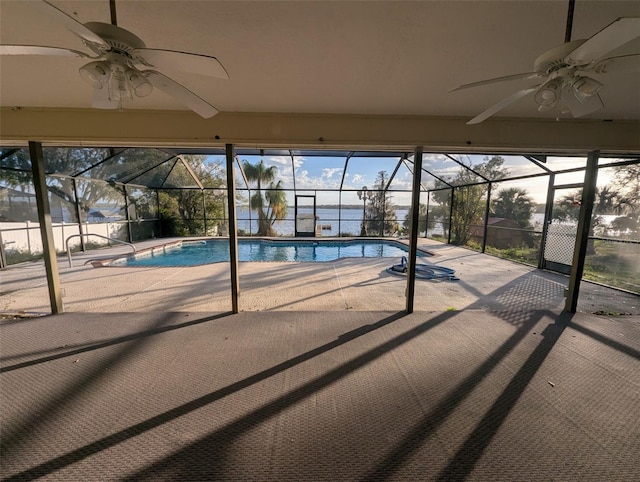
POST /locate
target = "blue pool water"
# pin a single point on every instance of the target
(194, 253)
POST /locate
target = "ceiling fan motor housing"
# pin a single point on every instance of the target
(554, 59)
(120, 40)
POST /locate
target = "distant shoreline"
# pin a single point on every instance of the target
(344, 206)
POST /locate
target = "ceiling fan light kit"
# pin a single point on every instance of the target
(548, 93)
(565, 86)
(585, 87)
(141, 86)
(96, 74)
(122, 67)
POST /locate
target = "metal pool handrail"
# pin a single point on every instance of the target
(66, 243)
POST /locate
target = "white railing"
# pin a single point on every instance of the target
(66, 243)
(25, 236)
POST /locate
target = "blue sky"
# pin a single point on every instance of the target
(317, 173)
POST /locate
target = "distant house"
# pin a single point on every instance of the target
(501, 233)
(17, 205)
(105, 215)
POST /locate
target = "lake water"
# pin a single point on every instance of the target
(350, 221)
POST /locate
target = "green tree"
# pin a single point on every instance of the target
(608, 200)
(422, 219)
(515, 204)
(270, 206)
(628, 178)
(469, 199)
(183, 211)
(439, 209)
(380, 217)
(70, 161)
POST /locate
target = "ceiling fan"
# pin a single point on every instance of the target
(121, 65)
(563, 71)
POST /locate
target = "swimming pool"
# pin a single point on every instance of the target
(195, 253)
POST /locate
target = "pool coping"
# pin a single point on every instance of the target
(107, 262)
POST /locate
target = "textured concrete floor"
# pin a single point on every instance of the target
(357, 284)
(296, 396)
(321, 377)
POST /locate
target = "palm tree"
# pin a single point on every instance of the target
(276, 202)
(515, 204)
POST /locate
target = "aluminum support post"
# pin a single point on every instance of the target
(46, 228)
(413, 237)
(584, 225)
(487, 211)
(233, 229)
(127, 217)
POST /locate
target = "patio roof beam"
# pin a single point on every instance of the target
(517, 178)
(537, 160)
(573, 185)
(628, 162)
(466, 167)
(147, 170)
(113, 154)
(437, 177)
(393, 174)
(191, 173)
(293, 169)
(540, 158)
(169, 173)
(10, 152)
(127, 176)
(430, 173)
(14, 169)
(242, 173)
(344, 172)
(412, 171)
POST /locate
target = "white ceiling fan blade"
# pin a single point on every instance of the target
(180, 93)
(502, 104)
(527, 75)
(591, 104)
(101, 99)
(41, 50)
(181, 61)
(612, 65)
(71, 24)
(611, 37)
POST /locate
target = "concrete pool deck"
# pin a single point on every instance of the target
(487, 380)
(358, 284)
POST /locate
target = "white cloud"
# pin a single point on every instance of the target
(285, 170)
(328, 173)
(281, 160)
(405, 183)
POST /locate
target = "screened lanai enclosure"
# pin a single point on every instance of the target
(525, 208)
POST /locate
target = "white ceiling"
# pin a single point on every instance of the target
(333, 57)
